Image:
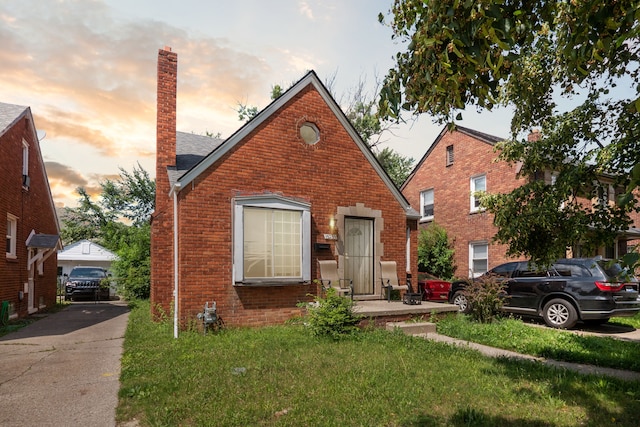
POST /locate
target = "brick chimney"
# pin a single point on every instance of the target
(166, 120)
(162, 219)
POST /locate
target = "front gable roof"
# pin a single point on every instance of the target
(180, 178)
(11, 114)
(86, 250)
(480, 136)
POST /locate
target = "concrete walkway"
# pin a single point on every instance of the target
(64, 370)
(427, 330)
(496, 352)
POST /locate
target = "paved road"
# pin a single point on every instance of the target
(64, 370)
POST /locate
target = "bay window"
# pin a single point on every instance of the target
(272, 242)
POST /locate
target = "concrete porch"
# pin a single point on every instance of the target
(381, 311)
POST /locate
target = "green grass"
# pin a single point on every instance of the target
(282, 376)
(515, 335)
(627, 321)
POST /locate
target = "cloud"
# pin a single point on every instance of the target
(305, 10)
(64, 174)
(63, 181)
(217, 77)
(66, 124)
(100, 72)
(89, 76)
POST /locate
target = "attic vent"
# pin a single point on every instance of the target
(309, 133)
(449, 155)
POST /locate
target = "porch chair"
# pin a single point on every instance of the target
(329, 278)
(389, 277)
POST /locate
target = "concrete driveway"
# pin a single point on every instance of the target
(64, 369)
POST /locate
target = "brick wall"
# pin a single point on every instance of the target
(162, 218)
(452, 191)
(34, 211)
(332, 173)
(273, 158)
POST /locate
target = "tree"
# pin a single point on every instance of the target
(397, 166)
(558, 65)
(248, 112)
(119, 221)
(435, 252)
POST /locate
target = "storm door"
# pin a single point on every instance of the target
(358, 251)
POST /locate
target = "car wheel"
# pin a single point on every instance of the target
(461, 301)
(560, 313)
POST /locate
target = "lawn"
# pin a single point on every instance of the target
(283, 376)
(515, 335)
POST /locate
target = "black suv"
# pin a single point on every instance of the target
(88, 282)
(572, 289)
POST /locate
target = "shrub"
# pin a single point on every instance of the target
(331, 316)
(486, 296)
(435, 252)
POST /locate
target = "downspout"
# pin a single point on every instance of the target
(408, 250)
(175, 190)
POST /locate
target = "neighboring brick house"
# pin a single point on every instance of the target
(442, 187)
(28, 273)
(256, 211)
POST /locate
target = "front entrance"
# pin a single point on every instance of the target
(358, 254)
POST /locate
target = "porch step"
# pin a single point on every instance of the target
(413, 328)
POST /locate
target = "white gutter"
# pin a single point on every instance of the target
(408, 249)
(175, 190)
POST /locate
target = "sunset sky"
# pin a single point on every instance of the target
(87, 69)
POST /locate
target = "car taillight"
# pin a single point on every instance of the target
(609, 287)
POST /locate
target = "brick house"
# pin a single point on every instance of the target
(243, 221)
(28, 273)
(442, 187)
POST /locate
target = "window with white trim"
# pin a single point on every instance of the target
(272, 240)
(478, 185)
(426, 204)
(478, 258)
(12, 235)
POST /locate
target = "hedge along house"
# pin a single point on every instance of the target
(242, 222)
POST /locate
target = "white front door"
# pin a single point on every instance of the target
(358, 244)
